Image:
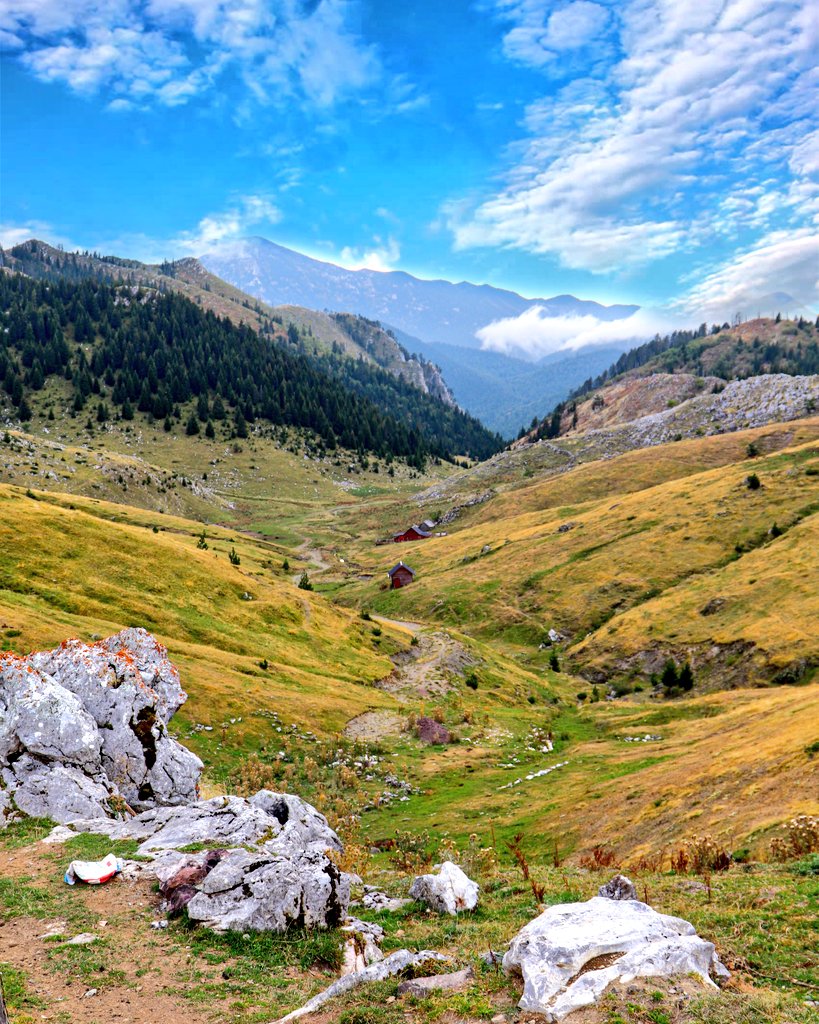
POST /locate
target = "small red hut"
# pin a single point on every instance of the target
(413, 533)
(401, 576)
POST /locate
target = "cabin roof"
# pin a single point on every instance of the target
(418, 529)
(400, 565)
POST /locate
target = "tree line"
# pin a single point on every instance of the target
(153, 352)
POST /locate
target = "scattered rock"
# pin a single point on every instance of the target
(432, 732)
(361, 948)
(554, 636)
(84, 730)
(713, 606)
(421, 987)
(374, 899)
(618, 888)
(83, 939)
(448, 892)
(555, 952)
(395, 963)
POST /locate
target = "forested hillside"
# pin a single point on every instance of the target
(127, 349)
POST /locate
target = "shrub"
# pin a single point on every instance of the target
(554, 662)
(234, 558)
(304, 582)
(700, 855)
(472, 681)
(601, 857)
(752, 482)
(412, 852)
(202, 543)
(801, 837)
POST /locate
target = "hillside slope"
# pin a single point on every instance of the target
(640, 546)
(155, 352)
(313, 333)
(682, 365)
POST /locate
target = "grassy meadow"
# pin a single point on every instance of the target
(106, 529)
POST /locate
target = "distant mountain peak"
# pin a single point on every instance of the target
(436, 311)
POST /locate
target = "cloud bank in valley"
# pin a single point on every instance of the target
(535, 333)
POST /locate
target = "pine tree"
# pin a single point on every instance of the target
(192, 426)
(210, 433)
(24, 409)
(686, 680)
(669, 678)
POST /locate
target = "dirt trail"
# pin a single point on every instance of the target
(429, 668)
(136, 969)
(315, 558)
(412, 627)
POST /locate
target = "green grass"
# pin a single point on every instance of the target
(20, 1000)
(20, 899)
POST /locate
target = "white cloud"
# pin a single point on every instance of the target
(538, 37)
(382, 256)
(576, 25)
(783, 263)
(246, 213)
(634, 161)
(535, 333)
(14, 234)
(172, 50)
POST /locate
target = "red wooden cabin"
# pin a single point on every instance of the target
(413, 533)
(401, 576)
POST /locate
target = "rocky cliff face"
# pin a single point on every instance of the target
(84, 730)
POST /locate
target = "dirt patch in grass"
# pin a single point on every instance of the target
(138, 973)
(374, 725)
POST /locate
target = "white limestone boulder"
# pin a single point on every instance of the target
(449, 892)
(273, 819)
(94, 718)
(630, 939)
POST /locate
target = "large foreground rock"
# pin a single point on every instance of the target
(448, 892)
(274, 868)
(272, 890)
(632, 940)
(84, 730)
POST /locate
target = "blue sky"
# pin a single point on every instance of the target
(663, 152)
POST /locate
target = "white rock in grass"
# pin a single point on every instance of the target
(448, 892)
(631, 940)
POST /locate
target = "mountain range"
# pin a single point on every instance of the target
(437, 319)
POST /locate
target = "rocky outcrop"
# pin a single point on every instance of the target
(270, 890)
(84, 730)
(222, 821)
(273, 868)
(618, 888)
(396, 963)
(572, 952)
(448, 892)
